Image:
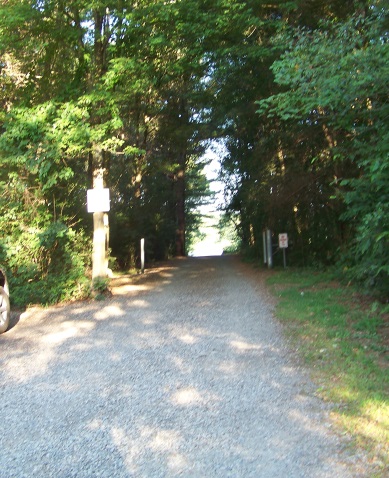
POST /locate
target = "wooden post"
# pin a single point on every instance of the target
(98, 257)
(100, 231)
(180, 210)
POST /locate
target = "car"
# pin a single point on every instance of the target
(4, 302)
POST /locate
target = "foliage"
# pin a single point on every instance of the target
(313, 161)
(126, 106)
(348, 99)
(147, 83)
(47, 264)
(99, 288)
(341, 337)
(227, 227)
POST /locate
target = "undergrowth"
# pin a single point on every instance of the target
(343, 338)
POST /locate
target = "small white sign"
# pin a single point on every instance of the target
(283, 240)
(98, 200)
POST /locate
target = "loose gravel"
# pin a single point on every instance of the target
(183, 372)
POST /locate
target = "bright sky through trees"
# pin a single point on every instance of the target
(211, 243)
(295, 91)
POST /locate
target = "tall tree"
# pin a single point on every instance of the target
(123, 115)
(334, 79)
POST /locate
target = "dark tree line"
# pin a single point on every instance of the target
(306, 131)
(127, 94)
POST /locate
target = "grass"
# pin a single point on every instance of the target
(342, 337)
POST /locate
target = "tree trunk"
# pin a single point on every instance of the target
(100, 226)
(100, 218)
(180, 209)
(182, 140)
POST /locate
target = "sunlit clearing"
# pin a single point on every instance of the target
(211, 244)
(207, 248)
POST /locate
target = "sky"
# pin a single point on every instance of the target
(212, 245)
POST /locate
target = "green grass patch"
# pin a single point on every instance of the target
(342, 336)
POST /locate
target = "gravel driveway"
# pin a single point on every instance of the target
(184, 373)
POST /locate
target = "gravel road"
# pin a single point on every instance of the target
(183, 373)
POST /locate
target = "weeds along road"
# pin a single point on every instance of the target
(183, 372)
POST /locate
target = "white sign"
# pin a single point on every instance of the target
(283, 240)
(98, 200)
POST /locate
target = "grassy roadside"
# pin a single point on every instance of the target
(343, 338)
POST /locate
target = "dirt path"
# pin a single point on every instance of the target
(182, 372)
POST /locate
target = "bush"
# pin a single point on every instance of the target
(48, 266)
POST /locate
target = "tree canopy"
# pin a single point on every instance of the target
(130, 94)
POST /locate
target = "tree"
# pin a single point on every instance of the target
(347, 99)
(122, 116)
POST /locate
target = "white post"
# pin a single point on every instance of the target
(269, 249)
(264, 247)
(142, 255)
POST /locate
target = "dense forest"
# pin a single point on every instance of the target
(128, 95)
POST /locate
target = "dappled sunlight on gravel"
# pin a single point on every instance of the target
(244, 346)
(187, 396)
(125, 289)
(185, 374)
(109, 312)
(67, 330)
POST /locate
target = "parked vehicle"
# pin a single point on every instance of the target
(4, 302)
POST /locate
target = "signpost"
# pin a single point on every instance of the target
(98, 200)
(98, 204)
(264, 246)
(267, 248)
(283, 244)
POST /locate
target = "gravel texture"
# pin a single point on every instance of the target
(184, 372)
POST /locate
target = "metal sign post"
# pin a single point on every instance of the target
(142, 255)
(269, 249)
(283, 244)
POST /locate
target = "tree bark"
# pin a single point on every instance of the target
(100, 227)
(180, 209)
(100, 218)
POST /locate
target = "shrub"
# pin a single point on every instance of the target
(49, 265)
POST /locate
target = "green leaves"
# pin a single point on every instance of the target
(30, 144)
(335, 76)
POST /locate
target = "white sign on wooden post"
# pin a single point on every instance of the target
(283, 241)
(98, 200)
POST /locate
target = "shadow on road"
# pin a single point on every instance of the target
(182, 372)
